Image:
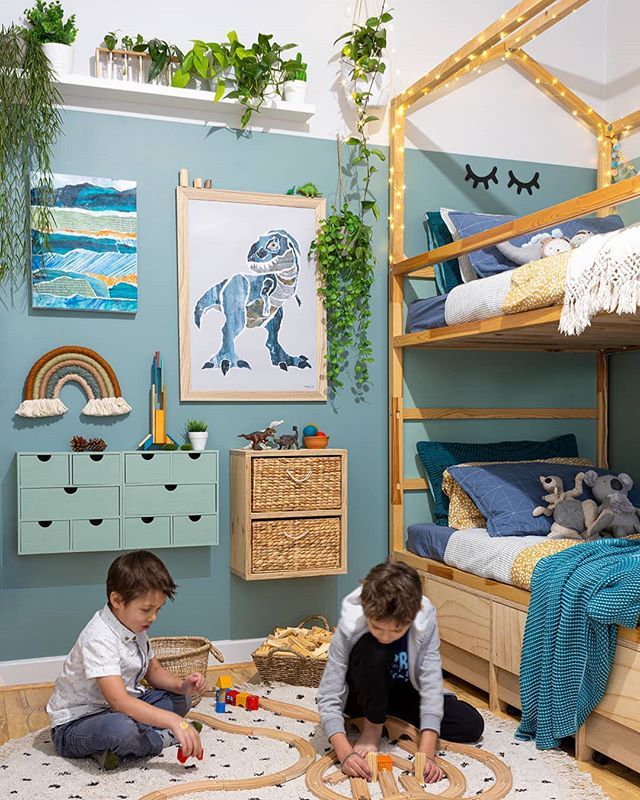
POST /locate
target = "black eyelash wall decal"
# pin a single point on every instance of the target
(528, 185)
(481, 179)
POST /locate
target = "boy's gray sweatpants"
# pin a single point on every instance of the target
(111, 730)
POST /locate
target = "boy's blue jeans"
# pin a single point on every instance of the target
(111, 730)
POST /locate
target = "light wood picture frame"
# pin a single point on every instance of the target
(251, 319)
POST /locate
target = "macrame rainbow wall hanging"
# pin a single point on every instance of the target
(72, 364)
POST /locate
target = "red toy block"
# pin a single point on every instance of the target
(182, 759)
(253, 702)
(231, 696)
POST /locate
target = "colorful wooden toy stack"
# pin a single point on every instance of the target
(223, 686)
(225, 695)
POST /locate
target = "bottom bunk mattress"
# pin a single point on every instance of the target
(508, 559)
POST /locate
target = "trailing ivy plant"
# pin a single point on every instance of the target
(30, 123)
(343, 246)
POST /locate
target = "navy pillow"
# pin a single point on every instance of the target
(491, 261)
(438, 456)
(506, 494)
(447, 273)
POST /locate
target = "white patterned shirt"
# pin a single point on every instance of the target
(105, 647)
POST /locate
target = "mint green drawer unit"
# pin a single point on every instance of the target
(169, 499)
(70, 502)
(44, 537)
(44, 469)
(95, 534)
(194, 467)
(197, 529)
(95, 469)
(144, 532)
(147, 467)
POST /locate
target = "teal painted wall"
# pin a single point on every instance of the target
(45, 600)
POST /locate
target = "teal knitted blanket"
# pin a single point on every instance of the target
(578, 598)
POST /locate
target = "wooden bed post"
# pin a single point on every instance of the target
(396, 354)
(602, 405)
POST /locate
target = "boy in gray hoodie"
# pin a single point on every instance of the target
(384, 660)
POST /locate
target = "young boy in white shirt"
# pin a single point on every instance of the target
(99, 707)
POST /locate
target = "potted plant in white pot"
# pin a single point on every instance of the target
(294, 74)
(197, 431)
(49, 28)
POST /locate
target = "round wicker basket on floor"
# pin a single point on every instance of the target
(285, 666)
(182, 655)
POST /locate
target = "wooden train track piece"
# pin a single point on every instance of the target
(359, 789)
(388, 784)
(407, 737)
(306, 751)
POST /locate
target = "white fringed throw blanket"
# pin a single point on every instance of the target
(603, 276)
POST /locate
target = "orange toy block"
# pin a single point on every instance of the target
(385, 763)
(224, 682)
(241, 699)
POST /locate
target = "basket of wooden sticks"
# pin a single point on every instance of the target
(296, 655)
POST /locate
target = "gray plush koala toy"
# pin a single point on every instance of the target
(614, 513)
(567, 511)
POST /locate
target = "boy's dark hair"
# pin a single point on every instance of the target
(392, 591)
(134, 574)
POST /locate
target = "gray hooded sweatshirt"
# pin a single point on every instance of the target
(425, 668)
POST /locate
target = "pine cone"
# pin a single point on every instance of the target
(96, 444)
(78, 444)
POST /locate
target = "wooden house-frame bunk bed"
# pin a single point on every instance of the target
(482, 621)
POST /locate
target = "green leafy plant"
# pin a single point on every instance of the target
(48, 24)
(186, 446)
(363, 50)
(257, 71)
(195, 62)
(30, 123)
(161, 53)
(196, 426)
(110, 40)
(170, 446)
(343, 246)
(346, 268)
(294, 69)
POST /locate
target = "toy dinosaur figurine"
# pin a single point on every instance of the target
(288, 441)
(256, 299)
(259, 438)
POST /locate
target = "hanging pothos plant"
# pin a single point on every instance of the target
(30, 122)
(343, 246)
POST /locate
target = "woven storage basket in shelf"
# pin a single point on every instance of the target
(286, 666)
(296, 484)
(182, 655)
(296, 545)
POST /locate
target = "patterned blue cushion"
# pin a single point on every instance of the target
(506, 494)
(438, 456)
(491, 261)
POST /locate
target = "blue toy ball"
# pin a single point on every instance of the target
(309, 430)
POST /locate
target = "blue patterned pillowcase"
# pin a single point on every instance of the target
(506, 494)
(438, 456)
(491, 261)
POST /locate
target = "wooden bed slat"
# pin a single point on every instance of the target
(500, 413)
(573, 208)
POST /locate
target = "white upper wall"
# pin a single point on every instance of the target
(499, 114)
(623, 65)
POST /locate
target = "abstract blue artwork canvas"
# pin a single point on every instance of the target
(90, 263)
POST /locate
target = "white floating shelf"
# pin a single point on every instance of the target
(149, 99)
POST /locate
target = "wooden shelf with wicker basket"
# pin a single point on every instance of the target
(288, 513)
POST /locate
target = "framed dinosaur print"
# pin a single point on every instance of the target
(251, 319)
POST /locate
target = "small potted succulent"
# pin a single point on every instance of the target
(294, 75)
(49, 28)
(197, 431)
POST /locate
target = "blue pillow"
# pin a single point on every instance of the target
(448, 272)
(506, 494)
(491, 261)
(438, 456)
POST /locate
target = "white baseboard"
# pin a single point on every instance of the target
(46, 670)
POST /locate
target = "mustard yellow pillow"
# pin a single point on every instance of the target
(463, 512)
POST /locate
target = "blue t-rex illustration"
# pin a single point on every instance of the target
(256, 300)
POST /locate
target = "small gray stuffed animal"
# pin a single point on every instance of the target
(614, 512)
(567, 511)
